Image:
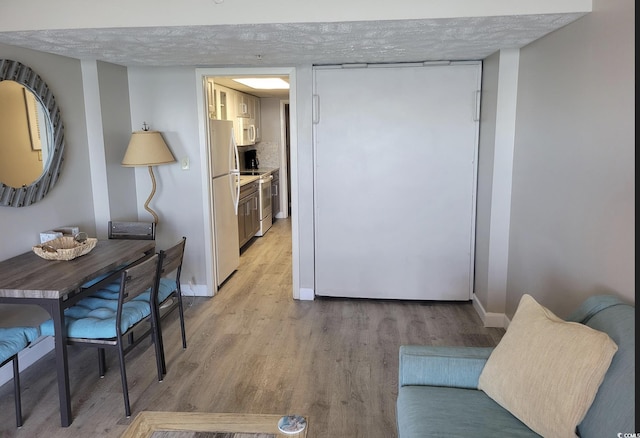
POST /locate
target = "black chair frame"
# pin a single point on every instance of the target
(133, 281)
(170, 260)
(16, 387)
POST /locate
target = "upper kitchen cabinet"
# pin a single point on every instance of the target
(256, 117)
(244, 105)
(224, 103)
(212, 101)
(245, 131)
(245, 121)
(220, 101)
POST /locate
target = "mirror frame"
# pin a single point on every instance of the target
(28, 194)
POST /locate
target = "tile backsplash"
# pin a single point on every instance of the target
(268, 154)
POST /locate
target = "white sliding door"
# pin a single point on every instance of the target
(395, 178)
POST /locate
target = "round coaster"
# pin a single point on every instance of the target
(292, 424)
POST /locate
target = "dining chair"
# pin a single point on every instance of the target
(12, 341)
(123, 230)
(169, 295)
(105, 323)
(126, 230)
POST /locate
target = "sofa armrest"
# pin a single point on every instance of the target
(458, 367)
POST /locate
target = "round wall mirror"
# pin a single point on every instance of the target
(31, 136)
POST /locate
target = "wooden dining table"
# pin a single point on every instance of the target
(57, 284)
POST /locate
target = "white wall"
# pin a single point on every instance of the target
(486, 148)
(68, 202)
(302, 170)
(272, 149)
(498, 113)
(116, 132)
(270, 146)
(573, 205)
(108, 128)
(165, 98)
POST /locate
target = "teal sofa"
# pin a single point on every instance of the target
(438, 395)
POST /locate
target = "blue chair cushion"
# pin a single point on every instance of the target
(15, 339)
(90, 283)
(94, 303)
(110, 291)
(95, 318)
(167, 287)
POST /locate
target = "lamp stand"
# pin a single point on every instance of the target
(153, 191)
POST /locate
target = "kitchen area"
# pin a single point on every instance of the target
(245, 191)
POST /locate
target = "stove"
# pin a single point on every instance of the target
(264, 201)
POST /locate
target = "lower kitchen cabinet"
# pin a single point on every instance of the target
(248, 213)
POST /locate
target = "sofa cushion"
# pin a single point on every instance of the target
(613, 409)
(458, 367)
(433, 411)
(546, 371)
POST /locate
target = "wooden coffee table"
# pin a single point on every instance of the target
(146, 423)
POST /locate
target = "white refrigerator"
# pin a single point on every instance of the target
(225, 192)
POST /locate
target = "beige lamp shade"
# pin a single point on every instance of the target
(147, 148)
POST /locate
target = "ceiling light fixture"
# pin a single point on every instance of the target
(264, 83)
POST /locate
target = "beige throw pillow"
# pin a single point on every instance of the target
(546, 371)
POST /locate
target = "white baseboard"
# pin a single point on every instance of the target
(489, 319)
(195, 290)
(307, 294)
(28, 357)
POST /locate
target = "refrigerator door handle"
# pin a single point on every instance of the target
(236, 199)
(235, 171)
(235, 166)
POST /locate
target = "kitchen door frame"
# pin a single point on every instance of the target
(201, 89)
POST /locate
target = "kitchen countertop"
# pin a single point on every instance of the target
(261, 171)
(246, 179)
(250, 175)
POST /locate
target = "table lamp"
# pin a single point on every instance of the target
(147, 148)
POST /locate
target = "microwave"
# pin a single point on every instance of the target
(246, 131)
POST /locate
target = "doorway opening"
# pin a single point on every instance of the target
(271, 141)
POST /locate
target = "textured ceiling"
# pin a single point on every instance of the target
(291, 44)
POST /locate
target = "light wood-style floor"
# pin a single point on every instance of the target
(253, 349)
